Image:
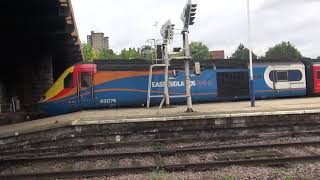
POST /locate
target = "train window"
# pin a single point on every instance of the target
(282, 76)
(295, 75)
(68, 81)
(318, 75)
(85, 79)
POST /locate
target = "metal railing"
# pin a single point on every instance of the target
(150, 87)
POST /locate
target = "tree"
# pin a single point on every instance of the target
(88, 53)
(199, 50)
(284, 50)
(148, 53)
(106, 54)
(318, 57)
(131, 53)
(242, 53)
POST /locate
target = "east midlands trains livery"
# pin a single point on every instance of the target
(124, 83)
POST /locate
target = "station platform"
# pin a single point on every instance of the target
(301, 105)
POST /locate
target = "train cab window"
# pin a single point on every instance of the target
(318, 75)
(295, 75)
(85, 79)
(282, 76)
(68, 81)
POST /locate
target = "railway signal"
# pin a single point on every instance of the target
(167, 31)
(171, 31)
(187, 17)
(188, 14)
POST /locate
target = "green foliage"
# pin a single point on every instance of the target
(130, 53)
(157, 146)
(106, 54)
(147, 53)
(199, 50)
(288, 178)
(284, 50)
(242, 53)
(228, 178)
(178, 54)
(158, 174)
(88, 53)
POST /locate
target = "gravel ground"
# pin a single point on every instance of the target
(53, 166)
(296, 171)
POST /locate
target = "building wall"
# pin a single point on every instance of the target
(217, 54)
(98, 41)
(106, 40)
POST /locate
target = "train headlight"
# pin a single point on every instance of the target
(42, 98)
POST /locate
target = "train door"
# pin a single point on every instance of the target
(316, 79)
(297, 78)
(85, 87)
(282, 78)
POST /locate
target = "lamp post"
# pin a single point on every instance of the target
(251, 86)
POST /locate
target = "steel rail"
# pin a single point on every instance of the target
(167, 167)
(72, 148)
(167, 152)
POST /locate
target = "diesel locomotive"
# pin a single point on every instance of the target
(124, 83)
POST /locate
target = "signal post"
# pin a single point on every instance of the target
(187, 17)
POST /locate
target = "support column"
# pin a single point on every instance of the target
(42, 78)
(2, 92)
(166, 76)
(185, 35)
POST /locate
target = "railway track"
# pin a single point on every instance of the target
(166, 133)
(172, 159)
(161, 130)
(221, 140)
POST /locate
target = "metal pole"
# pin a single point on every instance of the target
(166, 72)
(251, 86)
(156, 25)
(187, 69)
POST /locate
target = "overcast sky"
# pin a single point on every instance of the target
(219, 24)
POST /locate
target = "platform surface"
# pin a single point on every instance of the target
(177, 112)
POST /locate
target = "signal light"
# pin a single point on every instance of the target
(193, 8)
(188, 14)
(167, 31)
(171, 31)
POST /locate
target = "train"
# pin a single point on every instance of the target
(124, 83)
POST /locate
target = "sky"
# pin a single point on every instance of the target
(221, 25)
